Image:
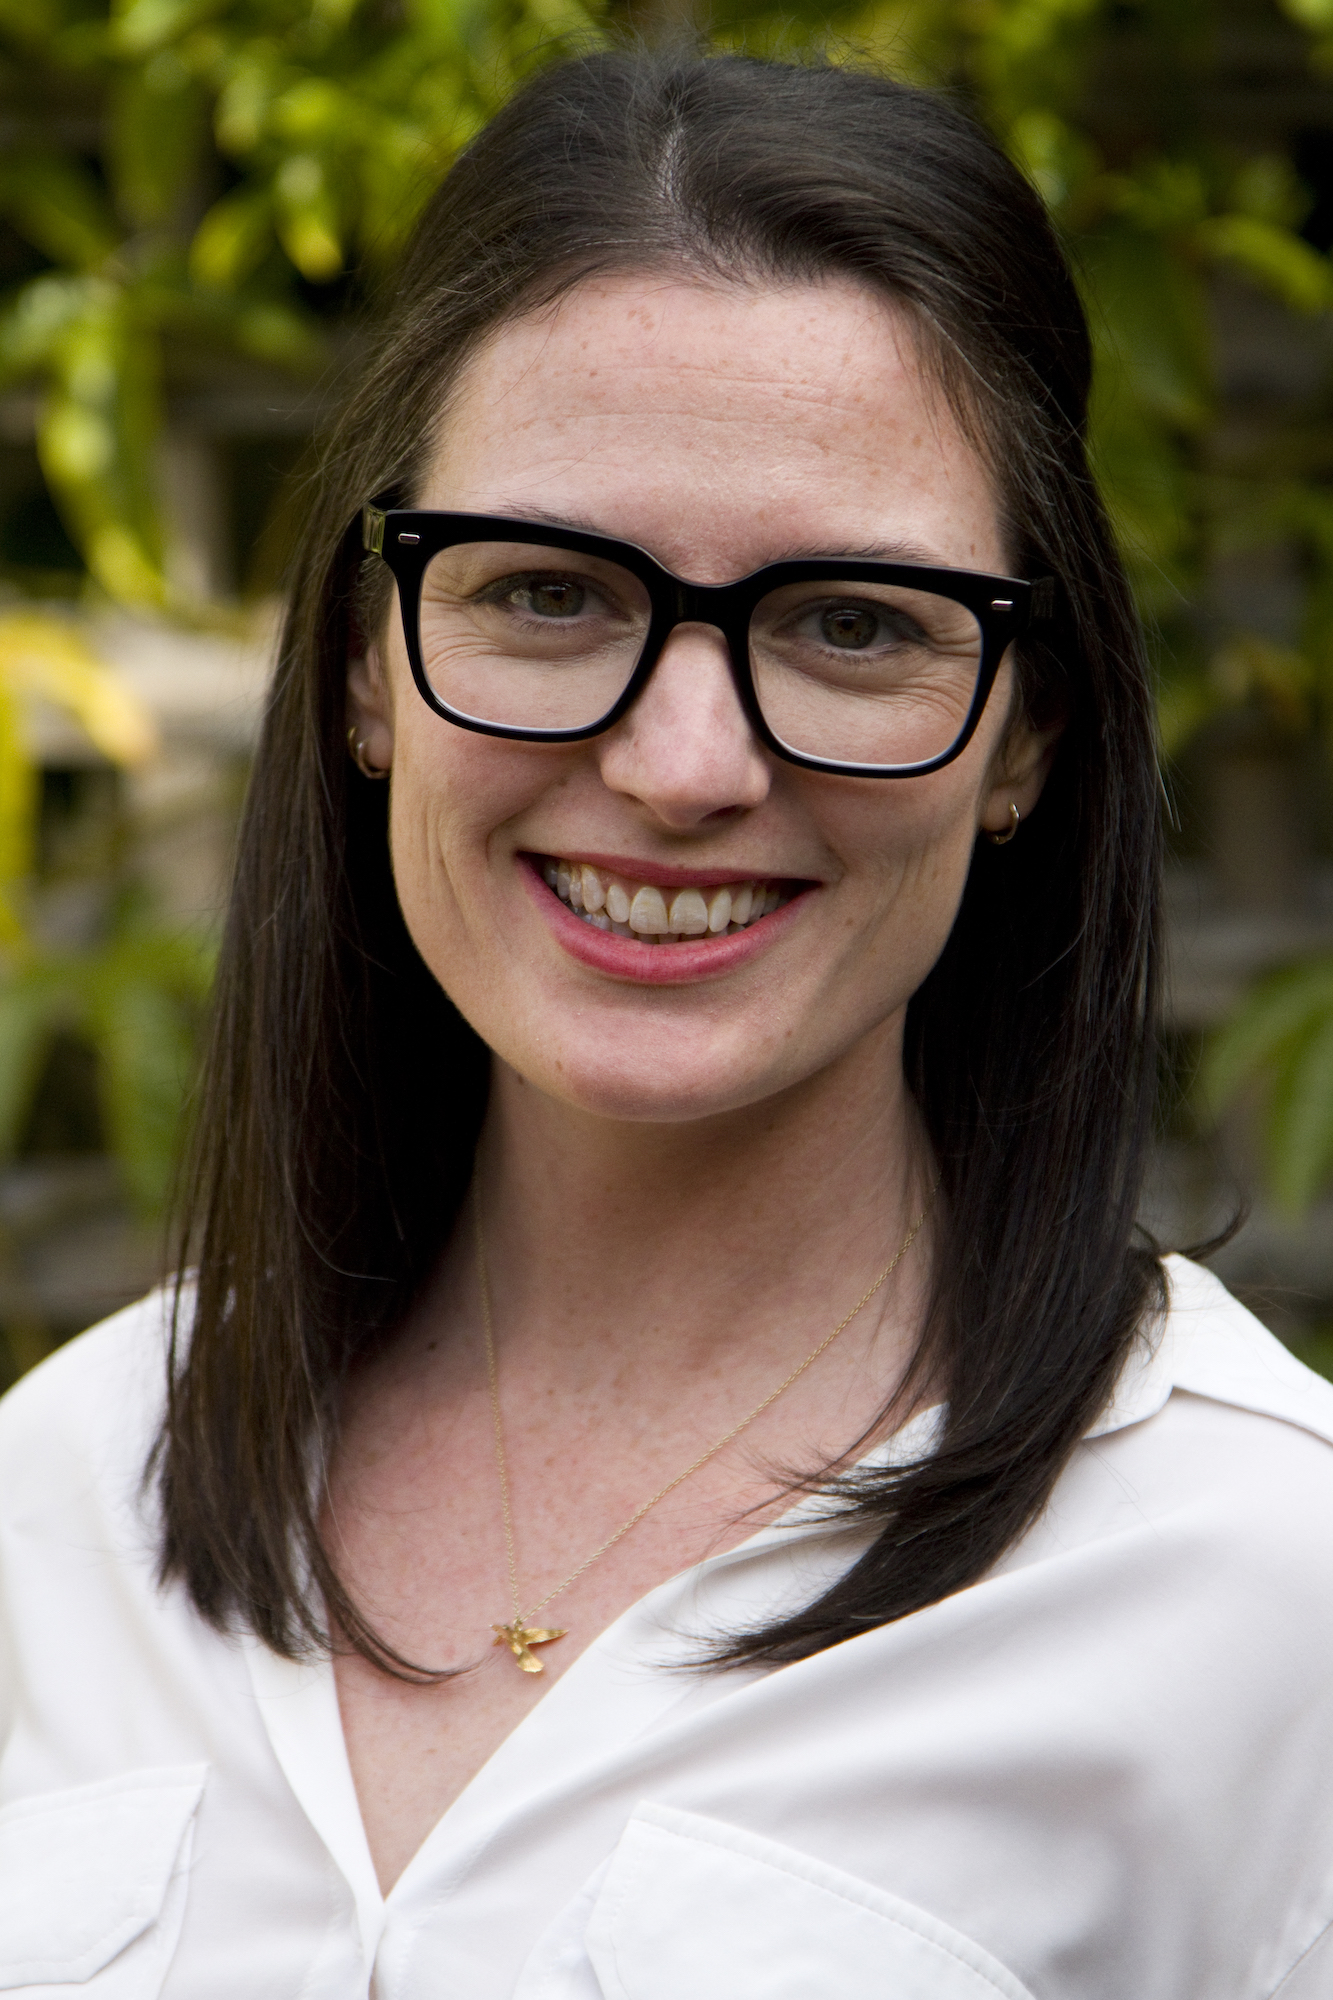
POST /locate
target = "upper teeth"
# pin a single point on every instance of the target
(612, 903)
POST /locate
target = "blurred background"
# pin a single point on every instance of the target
(197, 201)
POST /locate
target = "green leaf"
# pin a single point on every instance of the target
(1273, 257)
(315, 112)
(31, 22)
(138, 27)
(252, 77)
(78, 444)
(25, 1034)
(59, 208)
(1251, 670)
(97, 434)
(1280, 1010)
(18, 806)
(157, 126)
(231, 239)
(1026, 52)
(37, 316)
(280, 334)
(1139, 467)
(1185, 701)
(1055, 159)
(1161, 196)
(1314, 14)
(1268, 186)
(1150, 324)
(146, 1059)
(307, 220)
(1300, 1132)
(332, 15)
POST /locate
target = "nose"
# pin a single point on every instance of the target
(686, 751)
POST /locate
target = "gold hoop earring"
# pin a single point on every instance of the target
(1003, 839)
(356, 746)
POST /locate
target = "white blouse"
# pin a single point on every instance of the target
(1105, 1772)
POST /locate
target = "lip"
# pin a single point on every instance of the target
(657, 965)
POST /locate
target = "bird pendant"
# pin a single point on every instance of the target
(521, 1638)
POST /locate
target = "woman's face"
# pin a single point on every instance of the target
(720, 427)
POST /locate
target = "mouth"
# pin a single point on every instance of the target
(652, 914)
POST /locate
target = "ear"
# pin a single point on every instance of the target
(1019, 771)
(370, 711)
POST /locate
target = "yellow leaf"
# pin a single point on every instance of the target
(140, 26)
(307, 224)
(312, 246)
(1314, 14)
(230, 241)
(76, 443)
(18, 808)
(314, 109)
(45, 657)
(120, 564)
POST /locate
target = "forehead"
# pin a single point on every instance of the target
(720, 424)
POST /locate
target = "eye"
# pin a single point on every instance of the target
(548, 597)
(856, 625)
(849, 625)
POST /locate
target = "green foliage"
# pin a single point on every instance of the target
(1281, 1040)
(257, 153)
(136, 1002)
(260, 162)
(136, 999)
(48, 658)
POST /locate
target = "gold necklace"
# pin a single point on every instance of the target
(521, 1635)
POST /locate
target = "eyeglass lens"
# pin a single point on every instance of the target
(544, 638)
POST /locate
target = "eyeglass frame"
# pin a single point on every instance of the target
(407, 538)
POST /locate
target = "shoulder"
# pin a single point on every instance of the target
(1217, 1349)
(85, 1419)
(1207, 1344)
(1216, 1428)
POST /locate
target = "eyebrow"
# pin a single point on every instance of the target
(895, 551)
(903, 552)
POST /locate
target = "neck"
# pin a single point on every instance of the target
(606, 1238)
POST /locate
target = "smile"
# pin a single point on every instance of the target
(650, 915)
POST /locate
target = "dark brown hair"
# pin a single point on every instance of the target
(343, 1093)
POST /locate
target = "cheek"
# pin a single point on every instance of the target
(912, 854)
(929, 833)
(922, 834)
(451, 792)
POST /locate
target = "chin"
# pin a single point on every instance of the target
(636, 1096)
(645, 1081)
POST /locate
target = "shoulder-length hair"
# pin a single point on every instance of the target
(343, 1093)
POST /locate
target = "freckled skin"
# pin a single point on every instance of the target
(721, 428)
(682, 1186)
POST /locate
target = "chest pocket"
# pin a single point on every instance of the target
(693, 1906)
(94, 1885)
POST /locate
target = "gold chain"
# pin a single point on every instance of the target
(522, 1635)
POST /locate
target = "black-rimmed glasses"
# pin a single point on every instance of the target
(548, 635)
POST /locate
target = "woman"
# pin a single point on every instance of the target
(675, 1477)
